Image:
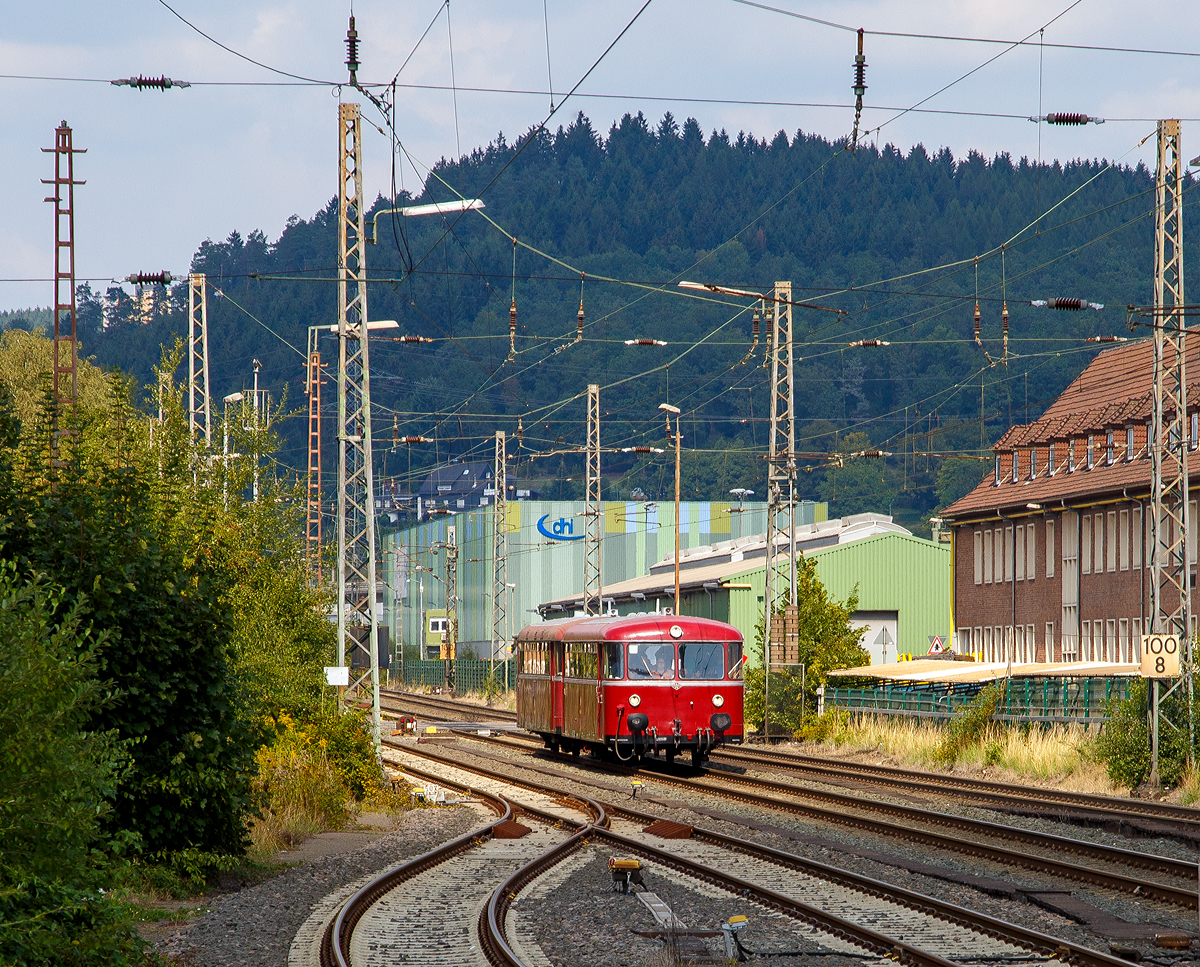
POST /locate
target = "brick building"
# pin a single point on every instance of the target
(1051, 559)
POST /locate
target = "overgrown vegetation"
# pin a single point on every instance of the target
(1124, 745)
(1062, 754)
(161, 676)
(826, 642)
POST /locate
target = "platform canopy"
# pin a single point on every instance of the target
(930, 671)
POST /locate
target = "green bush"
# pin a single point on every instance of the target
(57, 784)
(969, 725)
(1124, 743)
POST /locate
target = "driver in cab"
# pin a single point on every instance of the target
(663, 663)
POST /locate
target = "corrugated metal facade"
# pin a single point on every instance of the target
(892, 572)
(544, 562)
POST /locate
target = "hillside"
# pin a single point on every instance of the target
(655, 205)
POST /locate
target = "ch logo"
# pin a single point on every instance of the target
(561, 530)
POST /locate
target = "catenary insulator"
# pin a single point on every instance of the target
(352, 51)
(977, 326)
(579, 321)
(414, 439)
(1107, 339)
(412, 339)
(860, 68)
(512, 318)
(1004, 318)
(150, 278)
(870, 342)
(1071, 305)
(142, 83)
(755, 322)
(1068, 118)
(644, 342)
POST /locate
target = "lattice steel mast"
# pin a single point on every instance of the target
(499, 549)
(592, 601)
(781, 477)
(199, 397)
(358, 625)
(312, 386)
(66, 356)
(1170, 605)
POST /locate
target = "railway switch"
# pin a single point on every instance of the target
(728, 929)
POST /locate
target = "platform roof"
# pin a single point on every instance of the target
(931, 671)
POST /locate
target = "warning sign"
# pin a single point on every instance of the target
(937, 644)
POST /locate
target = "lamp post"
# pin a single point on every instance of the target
(231, 398)
(669, 409)
(741, 493)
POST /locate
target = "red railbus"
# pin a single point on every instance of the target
(632, 686)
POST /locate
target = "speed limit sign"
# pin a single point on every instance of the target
(1160, 656)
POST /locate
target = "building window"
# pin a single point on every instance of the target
(1135, 644)
(1098, 534)
(1135, 536)
(997, 470)
(1194, 439)
(1050, 463)
(1008, 553)
(1123, 540)
(1016, 458)
(978, 556)
(1049, 548)
(1128, 443)
(1085, 539)
(1030, 643)
(987, 557)
(998, 576)
(1149, 437)
(1091, 452)
(1111, 649)
(1071, 455)
(1033, 464)
(1123, 641)
(1112, 541)
(1020, 553)
(1109, 449)
(1049, 641)
(1086, 638)
(1030, 551)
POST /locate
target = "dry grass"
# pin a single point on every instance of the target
(1059, 756)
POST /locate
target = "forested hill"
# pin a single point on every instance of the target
(861, 231)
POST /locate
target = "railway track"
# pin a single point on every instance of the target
(1028, 849)
(1137, 815)
(431, 920)
(836, 900)
(443, 708)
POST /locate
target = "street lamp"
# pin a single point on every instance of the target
(231, 398)
(669, 409)
(741, 493)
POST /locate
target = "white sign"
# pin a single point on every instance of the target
(1160, 656)
(337, 675)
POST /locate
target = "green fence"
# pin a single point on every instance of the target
(1080, 700)
(470, 675)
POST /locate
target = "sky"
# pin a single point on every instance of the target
(244, 148)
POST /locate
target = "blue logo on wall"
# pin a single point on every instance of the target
(561, 530)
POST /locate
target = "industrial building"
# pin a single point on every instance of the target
(1051, 550)
(902, 582)
(544, 559)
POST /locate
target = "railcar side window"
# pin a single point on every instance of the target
(581, 660)
(733, 656)
(702, 660)
(614, 660)
(533, 658)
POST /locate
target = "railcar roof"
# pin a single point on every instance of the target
(647, 627)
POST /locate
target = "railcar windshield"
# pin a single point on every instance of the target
(733, 652)
(651, 661)
(704, 660)
(614, 659)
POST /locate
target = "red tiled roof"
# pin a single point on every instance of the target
(1115, 389)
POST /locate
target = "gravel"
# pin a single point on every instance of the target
(581, 920)
(255, 927)
(830, 844)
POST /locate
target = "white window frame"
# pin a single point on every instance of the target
(1110, 548)
(989, 560)
(1085, 544)
(1050, 467)
(979, 555)
(1019, 553)
(1123, 534)
(1008, 553)
(1049, 641)
(1129, 451)
(1049, 548)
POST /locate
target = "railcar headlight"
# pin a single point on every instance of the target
(718, 700)
(635, 700)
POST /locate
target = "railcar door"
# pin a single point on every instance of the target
(556, 686)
